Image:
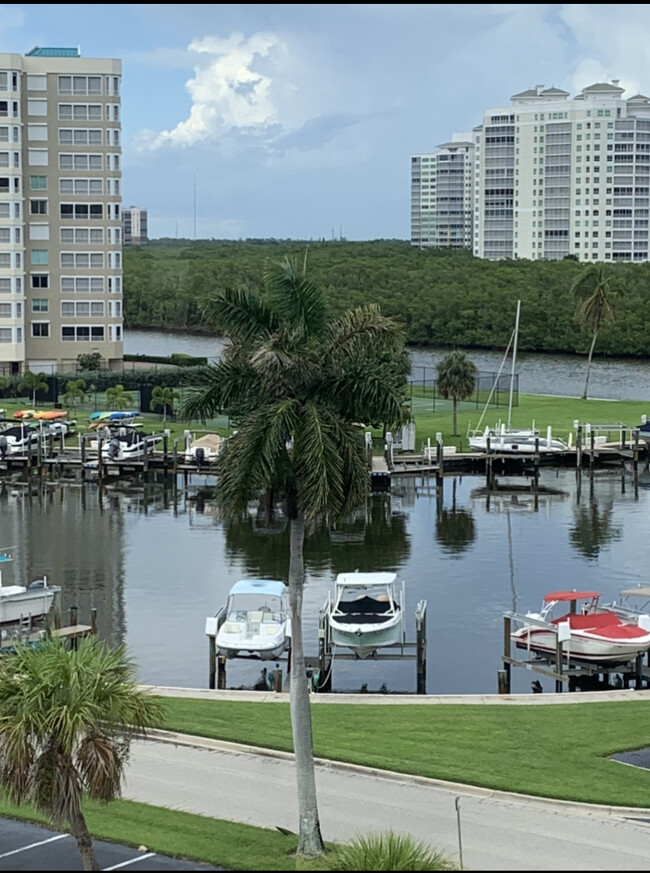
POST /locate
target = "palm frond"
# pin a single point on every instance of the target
(296, 300)
(240, 314)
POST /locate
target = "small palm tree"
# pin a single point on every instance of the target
(33, 382)
(119, 399)
(456, 379)
(75, 392)
(595, 305)
(165, 398)
(67, 719)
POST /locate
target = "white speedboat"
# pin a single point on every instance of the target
(128, 444)
(18, 439)
(590, 633)
(366, 612)
(255, 621)
(20, 603)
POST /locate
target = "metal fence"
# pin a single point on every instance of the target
(489, 388)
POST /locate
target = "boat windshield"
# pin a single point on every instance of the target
(254, 601)
(349, 593)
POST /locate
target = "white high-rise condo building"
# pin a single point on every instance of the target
(60, 221)
(551, 176)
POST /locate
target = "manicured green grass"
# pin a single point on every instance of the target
(557, 412)
(184, 835)
(538, 750)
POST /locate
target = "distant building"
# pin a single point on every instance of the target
(60, 221)
(134, 226)
(546, 177)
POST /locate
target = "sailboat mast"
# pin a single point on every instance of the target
(514, 360)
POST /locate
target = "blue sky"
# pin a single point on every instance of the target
(298, 121)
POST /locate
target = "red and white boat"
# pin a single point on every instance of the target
(588, 632)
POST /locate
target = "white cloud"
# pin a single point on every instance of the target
(229, 91)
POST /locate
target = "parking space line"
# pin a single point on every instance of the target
(34, 845)
(131, 861)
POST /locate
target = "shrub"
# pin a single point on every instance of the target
(388, 851)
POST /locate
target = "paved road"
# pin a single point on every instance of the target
(498, 831)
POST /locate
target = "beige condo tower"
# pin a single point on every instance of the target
(60, 216)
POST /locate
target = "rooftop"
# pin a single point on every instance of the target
(38, 52)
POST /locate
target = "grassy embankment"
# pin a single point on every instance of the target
(510, 748)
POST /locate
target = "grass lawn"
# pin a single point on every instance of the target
(557, 412)
(539, 750)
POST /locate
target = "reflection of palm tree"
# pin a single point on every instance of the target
(593, 530)
(455, 529)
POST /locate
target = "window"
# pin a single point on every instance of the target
(39, 256)
(5, 285)
(80, 161)
(80, 86)
(82, 260)
(40, 280)
(5, 310)
(37, 107)
(5, 335)
(36, 83)
(37, 157)
(40, 328)
(80, 136)
(40, 304)
(37, 183)
(39, 231)
(82, 284)
(37, 132)
(38, 207)
(82, 333)
(81, 211)
(80, 111)
(81, 186)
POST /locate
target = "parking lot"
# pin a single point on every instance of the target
(30, 847)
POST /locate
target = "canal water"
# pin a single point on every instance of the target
(155, 564)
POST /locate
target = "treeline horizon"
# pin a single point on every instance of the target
(444, 298)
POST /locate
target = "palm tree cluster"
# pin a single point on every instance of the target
(299, 389)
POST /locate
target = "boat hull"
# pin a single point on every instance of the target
(364, 640)
(581, 648)
(229, 646)
(15, 608)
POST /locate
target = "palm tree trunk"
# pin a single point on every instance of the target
(310, 841)
(589, 357)
(79, 830)
(454, 403)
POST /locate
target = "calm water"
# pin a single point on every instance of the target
(618, 379)
(155, 567)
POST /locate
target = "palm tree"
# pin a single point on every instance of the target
(75, 392)
(117, 398)
(33, 382)
(165, 397)
(296, 384)
(595, 305)
(456, 379)
(67, 719)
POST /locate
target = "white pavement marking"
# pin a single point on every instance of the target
(131, 861)
(34, 845)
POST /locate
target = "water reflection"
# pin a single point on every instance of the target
(155, 560)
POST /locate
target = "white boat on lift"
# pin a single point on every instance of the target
(20, 603)
(366, 612)
(255, 621)
(592, 632)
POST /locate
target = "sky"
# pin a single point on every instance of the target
(299, 121)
